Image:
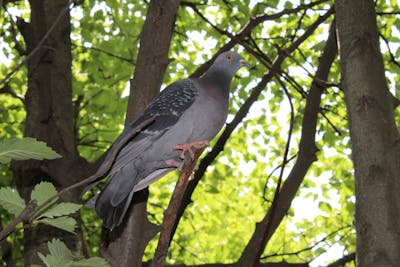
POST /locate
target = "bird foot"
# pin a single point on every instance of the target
(178, 165)
(188, 147)
(175, 164)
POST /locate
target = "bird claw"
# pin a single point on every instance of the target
(175, 164)
(188, 147)
(178, 165)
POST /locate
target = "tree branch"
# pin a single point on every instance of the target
(267, 264)
(133, 236)
(342, 261)
(306, 156)
(244, 109)
(171, 212)
(247, 29)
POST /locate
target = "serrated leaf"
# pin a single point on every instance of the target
(60, 251)
(91, 262)
(61, 209)
(44, 259)
(25, 148)
(42, 192)
(65, 223)
(11, 201)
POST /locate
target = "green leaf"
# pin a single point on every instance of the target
(65, 223)
(25, 148)
(59, 250)
(60, 255)
(46, 259)
(42, 192)
(92, 262)
(61, 210)
(11, 201)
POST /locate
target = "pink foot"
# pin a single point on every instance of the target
(175, 164)
(178, 165)
(188, 147)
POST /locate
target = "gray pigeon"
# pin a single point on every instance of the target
(188, 112)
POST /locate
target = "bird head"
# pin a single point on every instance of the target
(229, 63)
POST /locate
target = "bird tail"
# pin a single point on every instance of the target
(115, 199)
(112, 215)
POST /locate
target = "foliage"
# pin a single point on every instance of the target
(52, 214)
(11, 201)
(25, 148)
(61, 256)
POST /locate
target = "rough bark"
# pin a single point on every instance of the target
(374, 135)
(49, 116)
(152, 60)
(127, 244)
(306, 156)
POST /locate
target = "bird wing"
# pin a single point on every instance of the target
(167, 107)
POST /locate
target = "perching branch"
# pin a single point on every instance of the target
(171, 212)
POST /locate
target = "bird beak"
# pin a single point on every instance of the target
(244, 64)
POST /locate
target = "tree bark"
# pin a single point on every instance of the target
(374, 135)
(128, 243)
(49, 114)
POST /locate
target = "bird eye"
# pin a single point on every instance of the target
(228, 57)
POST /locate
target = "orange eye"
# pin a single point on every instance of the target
(228, 57)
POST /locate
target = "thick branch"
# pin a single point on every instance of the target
(342, 261)
(136, 231)
(306, 156)
(152, 58)
(268, 264)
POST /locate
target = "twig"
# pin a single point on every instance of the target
(171, 212)
(23, 216)
(309, 248)
(30, 210)
(274, 204)
(342, 261)
(248, 28)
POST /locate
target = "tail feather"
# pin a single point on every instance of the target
(114, 200)
(113, 215)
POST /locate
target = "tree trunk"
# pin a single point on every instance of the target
(130, 240)
(374, 135)
(49, 115)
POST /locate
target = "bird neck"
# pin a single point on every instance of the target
(220, 79)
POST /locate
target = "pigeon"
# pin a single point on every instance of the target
(189, 112)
